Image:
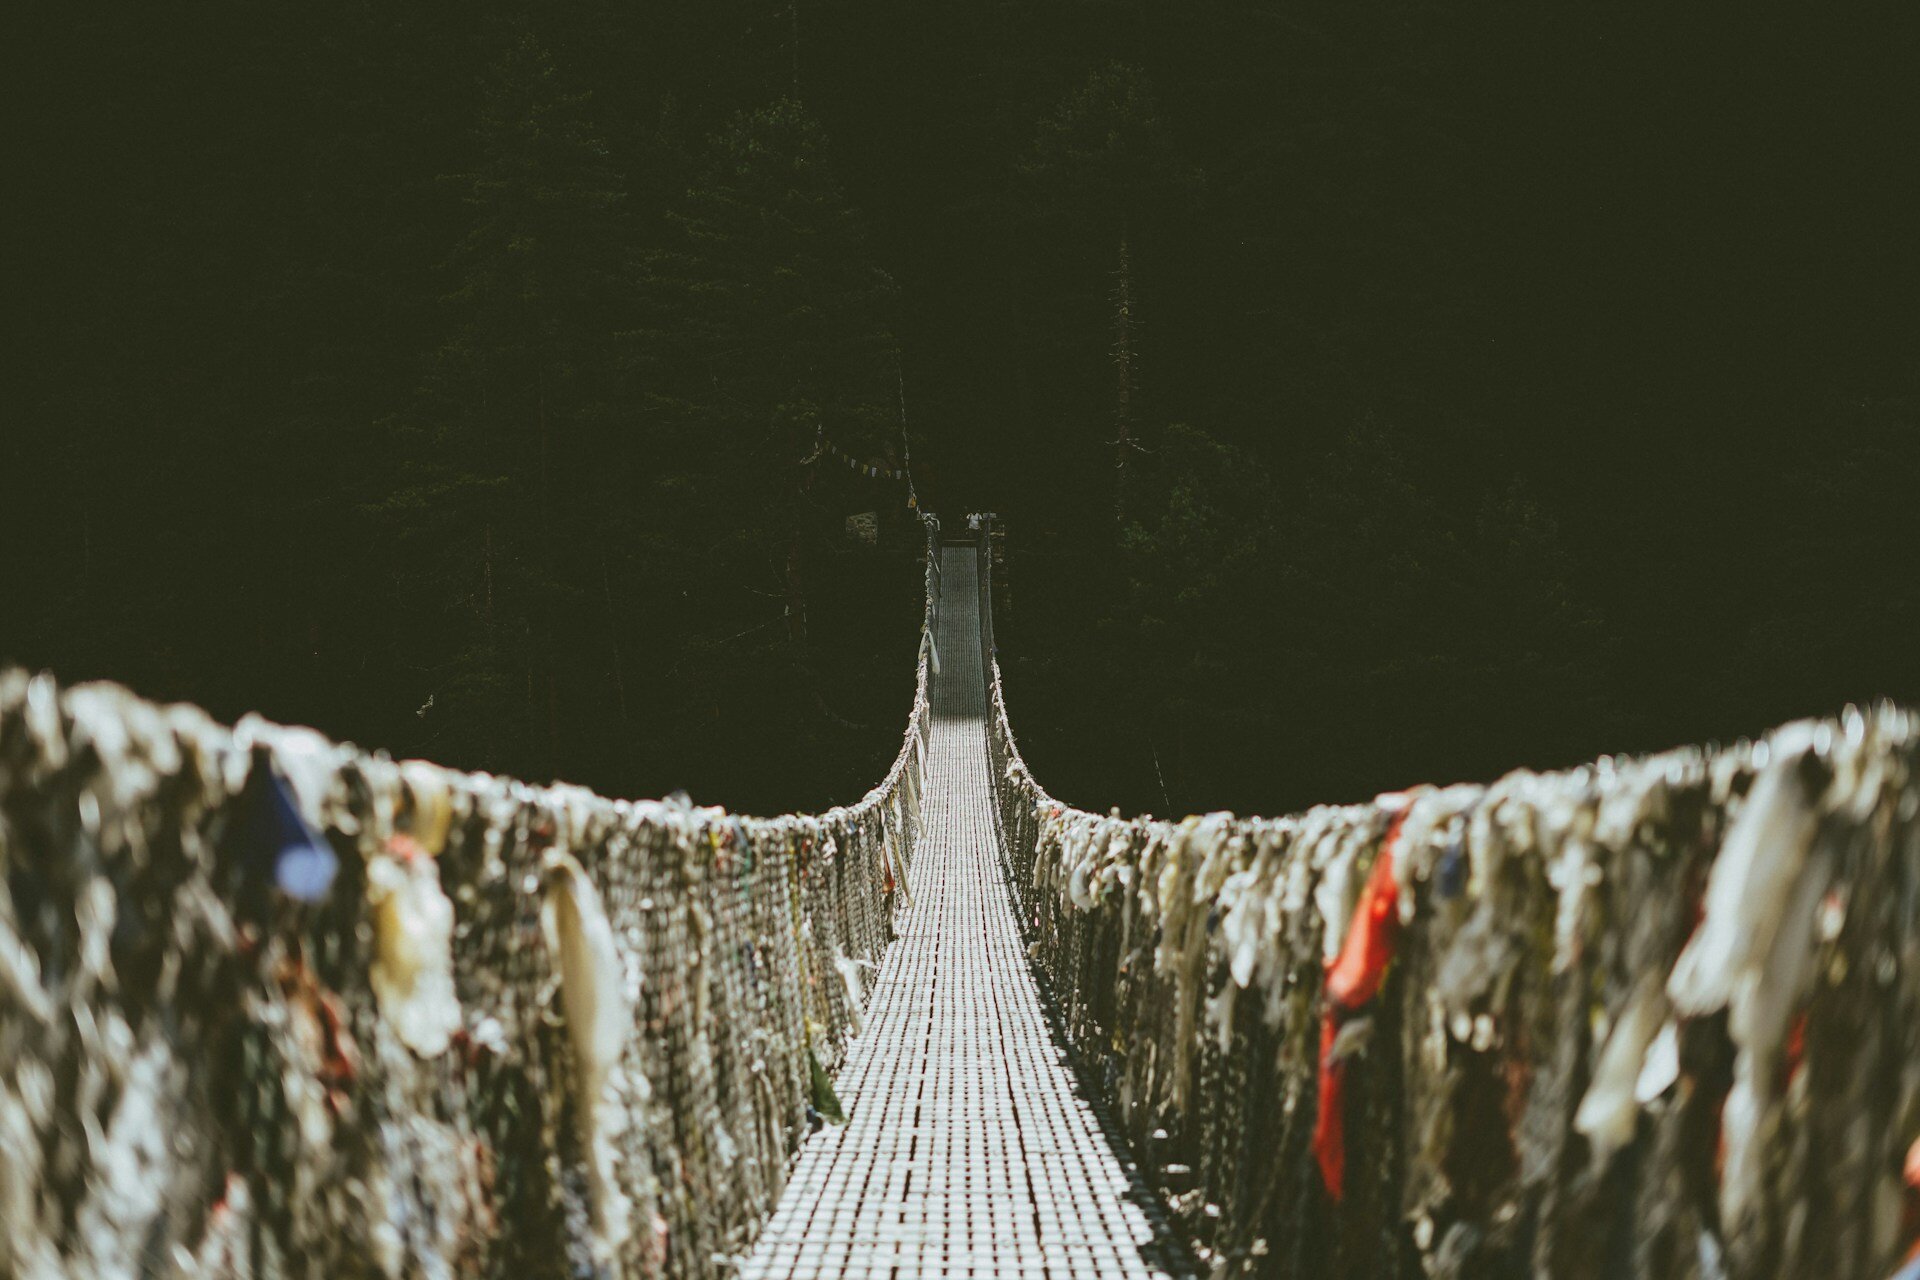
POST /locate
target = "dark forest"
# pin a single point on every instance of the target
(1373, 393)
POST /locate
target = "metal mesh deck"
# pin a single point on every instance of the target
(969, 1150)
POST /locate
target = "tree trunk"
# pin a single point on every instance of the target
(619, 671)
(1123, 373)
(546, 449)
(906, 448)
(553, 717)
(531, 735)
(1022, 375)
(796, 566)
(486, 571)
(796, 593)
(549, 573)
(793, 16)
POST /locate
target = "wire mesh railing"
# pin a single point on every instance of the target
(1650, 1017)
(272, 1006)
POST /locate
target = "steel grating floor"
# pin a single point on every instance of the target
(969, 1150)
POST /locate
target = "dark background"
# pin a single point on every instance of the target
(1506, 383)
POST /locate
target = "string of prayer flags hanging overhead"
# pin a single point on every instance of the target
(871, 470)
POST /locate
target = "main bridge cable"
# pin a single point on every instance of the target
(970, 1148)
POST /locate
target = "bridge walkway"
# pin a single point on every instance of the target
(969, 1147)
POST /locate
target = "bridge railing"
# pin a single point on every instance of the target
(271, 1006)
(1653, 1017)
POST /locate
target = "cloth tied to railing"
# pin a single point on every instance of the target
(272, 1006)
(1650, 1017)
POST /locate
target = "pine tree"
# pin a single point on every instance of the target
(770, 330)
(512, 437)
(1102, 157)
(780, 333)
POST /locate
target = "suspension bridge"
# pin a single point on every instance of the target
(271, 1006)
